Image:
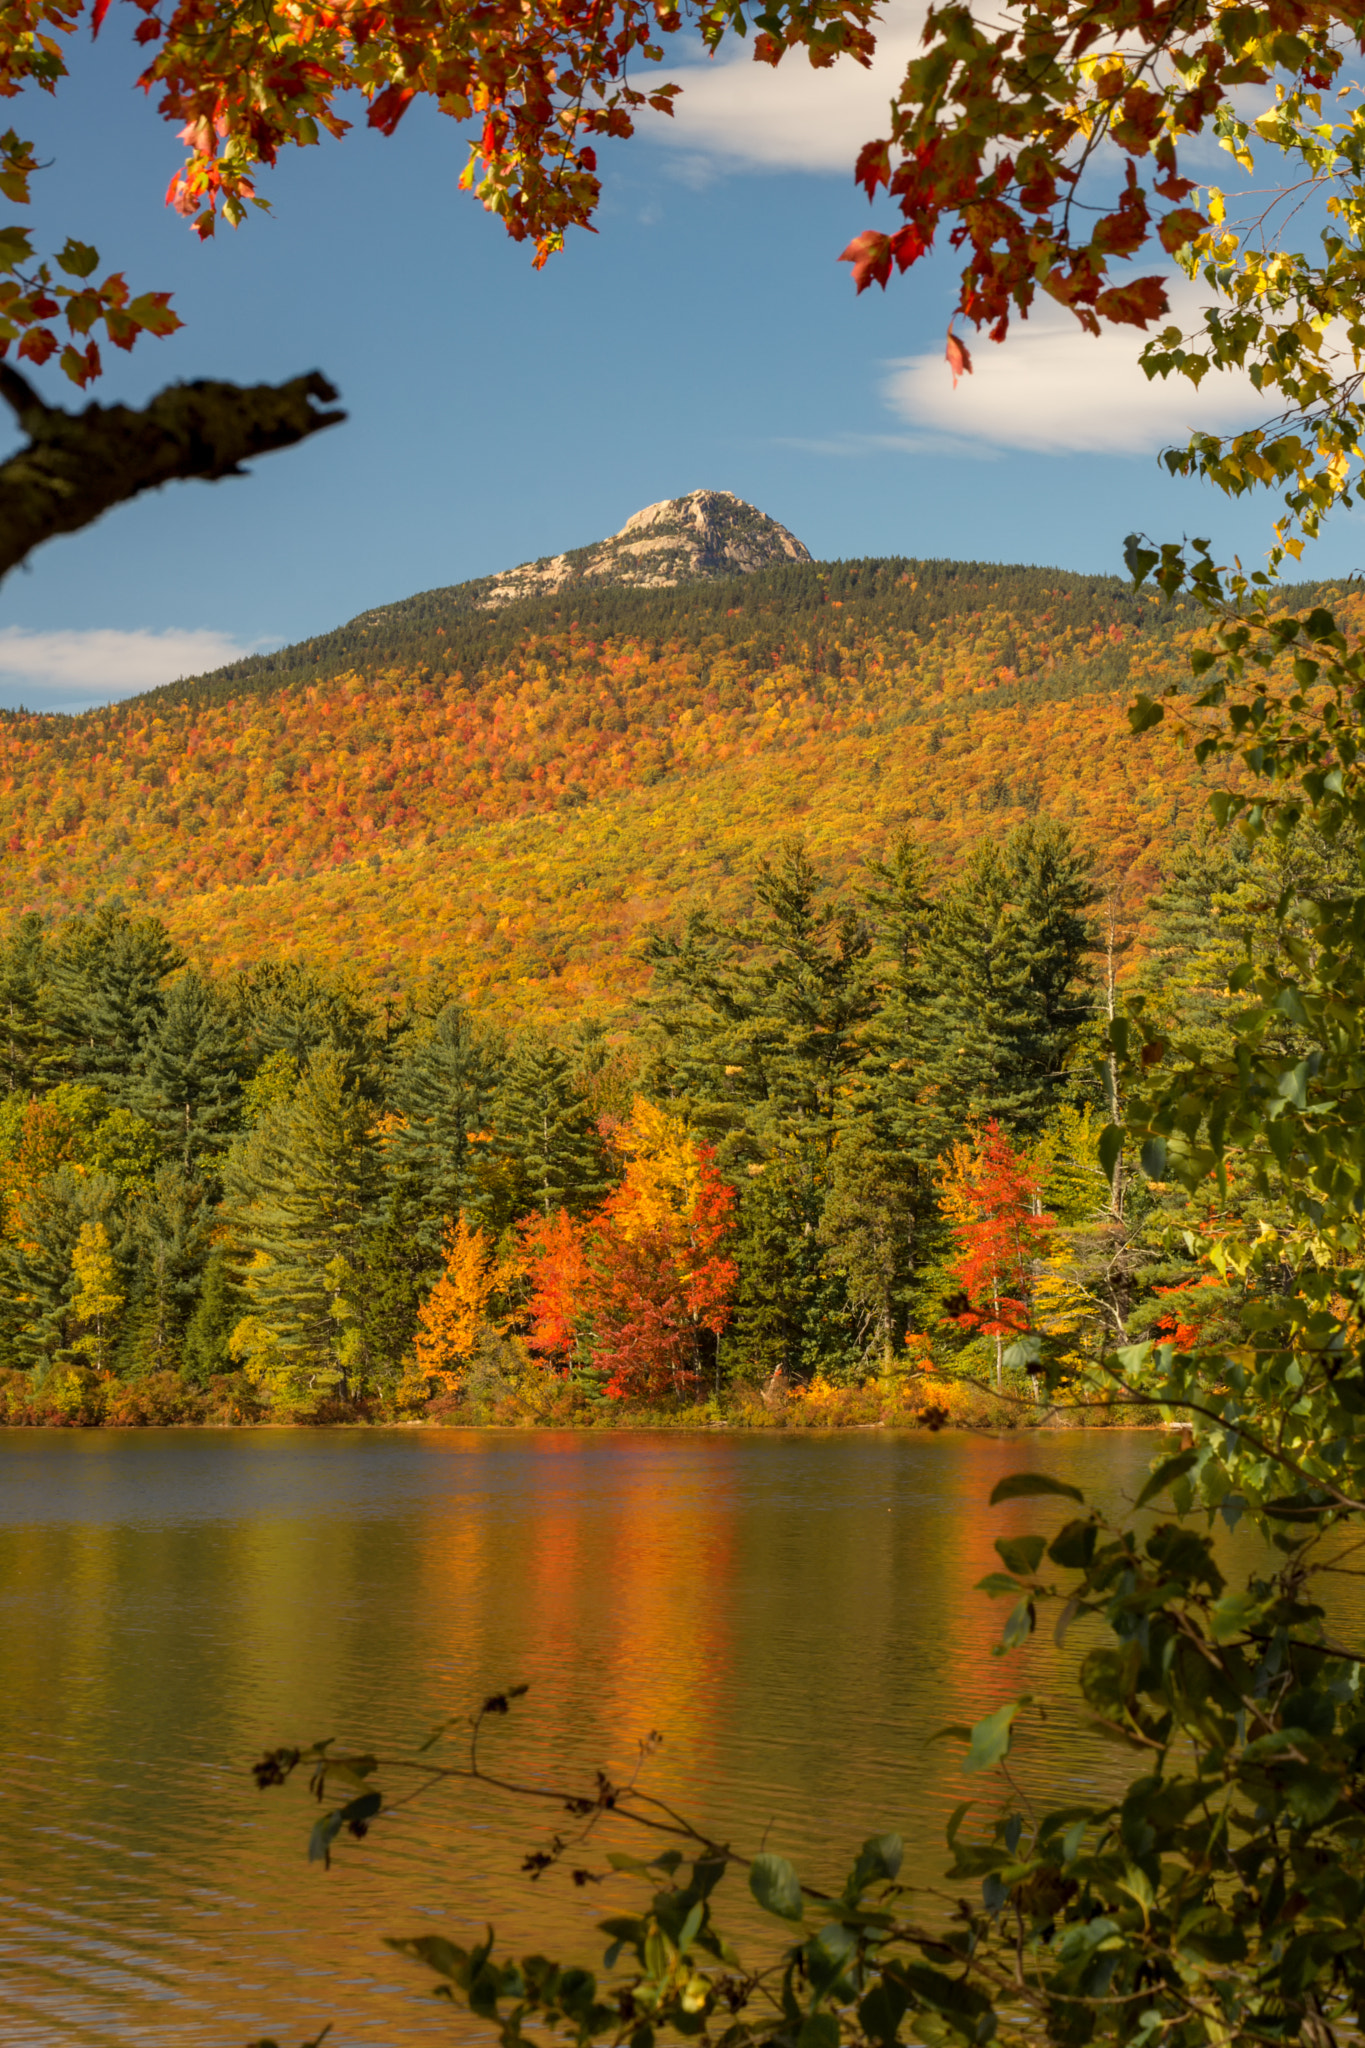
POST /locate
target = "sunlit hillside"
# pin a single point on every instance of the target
(506, 799)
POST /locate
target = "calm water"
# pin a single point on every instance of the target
(794, 1614)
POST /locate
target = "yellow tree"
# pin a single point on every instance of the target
(456, 1312)
(98, 1298)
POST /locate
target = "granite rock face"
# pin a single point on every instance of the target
(699, 538)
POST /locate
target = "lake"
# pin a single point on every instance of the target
(793, 1613)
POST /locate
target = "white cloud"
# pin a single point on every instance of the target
(1055, 390)
(71, 671)
(791, 117)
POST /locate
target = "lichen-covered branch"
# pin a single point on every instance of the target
(76, 466)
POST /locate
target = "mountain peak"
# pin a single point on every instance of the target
(697, 538)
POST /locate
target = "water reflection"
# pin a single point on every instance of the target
(796, 1616)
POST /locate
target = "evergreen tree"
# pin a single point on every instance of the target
(897, 1101)
(444, 1087)
(166, 1248)
(549, 1151)
(869, 1225)
(393, 1269)
(285, 1006)
(38, 1278)
(191, 1081)
(302, 1185)
(24, 1033)
(760, 1029)
(104, 998)
(807, 995)
(218, 1309)
(1006, 960)
(791, 1307)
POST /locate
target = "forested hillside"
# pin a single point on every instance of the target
(633, 998)
(849, 1134)
(506, 800)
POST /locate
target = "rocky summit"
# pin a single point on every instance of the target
(704, 536)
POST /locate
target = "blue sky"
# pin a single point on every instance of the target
(706, 337)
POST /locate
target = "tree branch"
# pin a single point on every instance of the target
(76, 466)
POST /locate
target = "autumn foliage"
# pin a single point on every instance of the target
(555, 1263)
(516, 819)
(992, 1204)
(643, 1282)
(457, 1310)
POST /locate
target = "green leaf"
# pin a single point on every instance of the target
(15, 247)
(443, 1956)
(1310, 1795)
(819, 2030)
(320, 1841)
(1019, 1485)
(1018, 1628)
(950, 1996)
(882, 2011)
(878, 1862)
(1153, 1158)
(1021, 1554)
(991, 1737)
(1143, 714)
(77, 259)
(774, 1883)
(1074, 1545)
(1166, 1473)
(363, 1808)
(1023, 1355)
(1110, 1149)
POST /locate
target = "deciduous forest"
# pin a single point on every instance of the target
(842, 1153)
(507, 802)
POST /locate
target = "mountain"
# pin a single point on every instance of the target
(505, 797)
(706, 535)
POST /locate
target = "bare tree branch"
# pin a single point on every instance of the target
(76, 466)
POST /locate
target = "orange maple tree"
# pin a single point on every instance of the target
(643, 1281)
(456, 1312)
(555, 1262)
(992, 1202)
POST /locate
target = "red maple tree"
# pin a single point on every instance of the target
(994, 1205)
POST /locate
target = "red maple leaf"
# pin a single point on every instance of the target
(958, 358)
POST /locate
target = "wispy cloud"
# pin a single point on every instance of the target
(790, 117)
(73, 670)
(1054, 390)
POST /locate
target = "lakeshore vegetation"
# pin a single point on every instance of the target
(843, 1158)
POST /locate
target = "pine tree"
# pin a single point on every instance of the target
(192, 1067)
(548, 1149)
(791, 1306)
(443, 1088)
(24, 1032)
(285, 1006)
(1006, 960)
(104, 998)
(806, 996)
(760, 1028)
(168, 1240)
(37, 1274)
(898, 1101)
(393, 1268)
(301, 1186)
(218, 1309)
